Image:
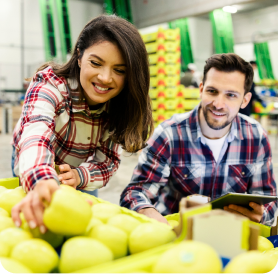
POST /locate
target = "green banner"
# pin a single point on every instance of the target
(263, 60)
(222, 29)
(46, 7)
(186, 51)
(121, 8)
(64, 27)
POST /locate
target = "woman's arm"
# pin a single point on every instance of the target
(34, 137)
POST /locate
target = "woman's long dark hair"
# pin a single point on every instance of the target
(130, 114)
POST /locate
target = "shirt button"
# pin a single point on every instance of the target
(185, 175)
(243, 173)
(89, 138)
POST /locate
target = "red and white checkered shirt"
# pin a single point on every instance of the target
(54, 127)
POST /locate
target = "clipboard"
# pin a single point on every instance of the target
(241, 199)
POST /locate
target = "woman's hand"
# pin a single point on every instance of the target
(34, 203)
(69, 176)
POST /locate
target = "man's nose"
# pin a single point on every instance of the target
(219, 102)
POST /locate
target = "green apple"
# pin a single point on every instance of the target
(113, 237)
(124, 222)
(6, 222)
(89, 197)
(10, 198)
(173, 223)
(82, 252)
(13, 236)
(105, 211)
(251, 262)
(149, 235)
(14, 266)
(189, 257)
(272, 253)
(93, 222)
(4, 250)
(36, 254)
(4, 212)
(68, 213)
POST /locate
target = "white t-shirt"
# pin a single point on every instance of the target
(216, 145)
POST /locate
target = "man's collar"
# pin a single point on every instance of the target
(196, 132)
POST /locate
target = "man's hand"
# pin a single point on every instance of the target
(69, 176)
(254, 215)
(154, 214)
(34, 203)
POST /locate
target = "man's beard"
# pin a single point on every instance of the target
(214, 124)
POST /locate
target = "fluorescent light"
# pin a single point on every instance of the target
(230, 9)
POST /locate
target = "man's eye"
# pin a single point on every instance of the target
(211, 91)
(231, 95)
(95, 64)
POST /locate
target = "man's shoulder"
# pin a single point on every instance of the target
(249, 123)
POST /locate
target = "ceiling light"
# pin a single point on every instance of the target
(230, 9)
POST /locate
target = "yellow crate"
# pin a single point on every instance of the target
(153, 70)
(153, 93)
(171, 104)
(168, 69)
(190, 104)
(155, 115)
(168, 81)
(191, 93)
(162, 34)
(154, 104)
(153, 82)
(170, 46)
(169, 114)
(149, 37)
(171, 93)
(153, 58)
(152, 47)
(10, 183)
(161, 103)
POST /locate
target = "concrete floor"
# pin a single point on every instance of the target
(114, 188)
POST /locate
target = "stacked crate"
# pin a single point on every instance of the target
(168, 96)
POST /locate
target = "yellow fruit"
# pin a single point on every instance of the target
(149, 235)
(14, 266)
(4, 212)
(264, 244)
(36, 254)
(82, 252)
(173, 223)
(124, 222)
(6, 222)
(113, 237)
(2, 189)
(54, 239)
(69, 188)
(13, 236)
(89, 197)
(4, 250)
(272, 253)
(251, 262)
(189, 257)
(10, 198)
(93, 222)
(105, 211)
(67, 214)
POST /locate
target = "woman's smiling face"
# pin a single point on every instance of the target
(102, 72)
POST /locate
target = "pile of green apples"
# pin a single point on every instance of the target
(83, 233)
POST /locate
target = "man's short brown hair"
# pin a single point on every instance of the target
(229, 62)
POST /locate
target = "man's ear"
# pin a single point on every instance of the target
(201, 88)
(246, 100)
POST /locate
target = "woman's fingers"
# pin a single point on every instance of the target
(15, 214)
(71, 182)
(38, 212)
(65, 176)
(64, 168)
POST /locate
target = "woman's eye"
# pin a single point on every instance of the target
(120, 71)
(95, 64)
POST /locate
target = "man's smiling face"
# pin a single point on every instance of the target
(222, 96)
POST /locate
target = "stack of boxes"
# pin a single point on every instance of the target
(168, 96)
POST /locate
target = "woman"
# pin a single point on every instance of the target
(80, 114)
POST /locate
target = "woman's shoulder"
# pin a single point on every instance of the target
(47, 75)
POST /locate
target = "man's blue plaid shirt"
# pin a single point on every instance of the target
(177, 163)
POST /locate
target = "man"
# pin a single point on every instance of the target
(248, 109)
(211, 150)
(187, 79)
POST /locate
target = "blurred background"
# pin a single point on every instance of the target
(179, 36)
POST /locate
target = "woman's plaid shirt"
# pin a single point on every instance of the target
(54, 127)
(177, 163)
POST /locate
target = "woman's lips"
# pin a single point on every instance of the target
(100, 91)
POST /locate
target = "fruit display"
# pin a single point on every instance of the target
(83, 231)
